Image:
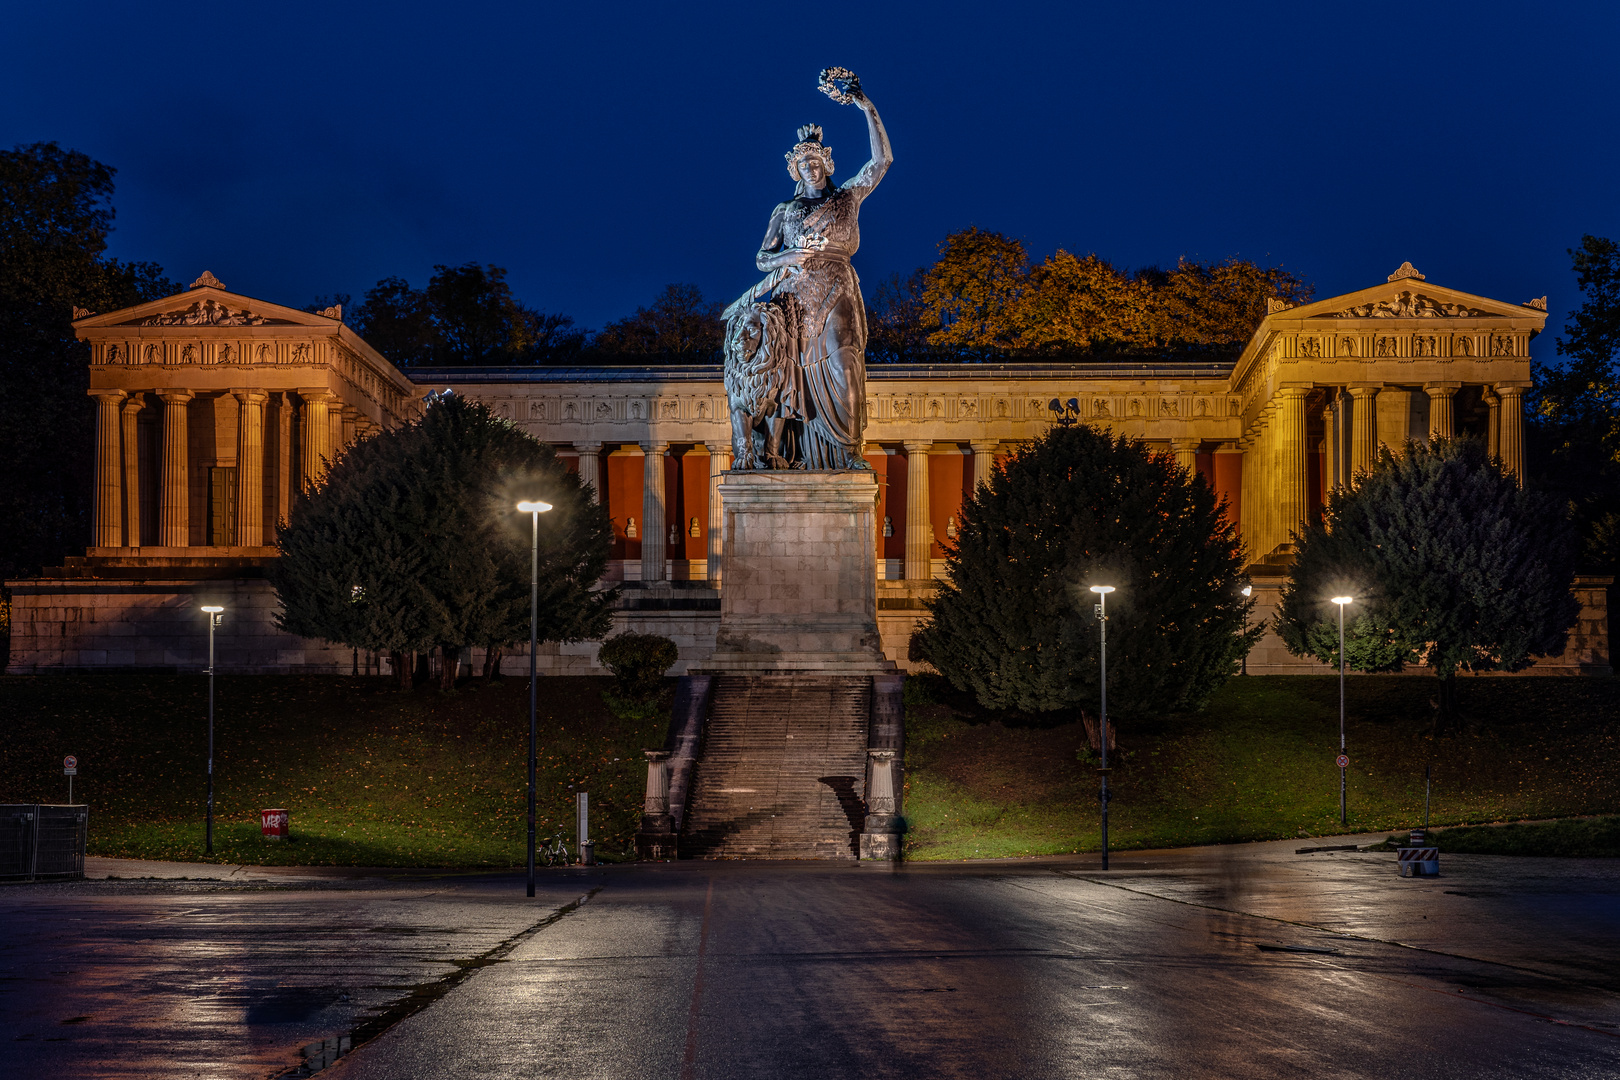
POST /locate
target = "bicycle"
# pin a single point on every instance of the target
(556, 853)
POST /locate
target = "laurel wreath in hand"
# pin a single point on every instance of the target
(840, 84)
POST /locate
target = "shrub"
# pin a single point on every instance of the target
(638, 663)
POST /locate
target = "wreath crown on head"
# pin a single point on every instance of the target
(809, 143)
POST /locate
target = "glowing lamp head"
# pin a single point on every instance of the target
(212, 609)
(1343, 600)
(1248, 590)
(534, 507)
(1102, 590)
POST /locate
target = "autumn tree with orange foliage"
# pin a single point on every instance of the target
(982, 299)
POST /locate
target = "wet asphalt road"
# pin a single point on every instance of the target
(1167, 965)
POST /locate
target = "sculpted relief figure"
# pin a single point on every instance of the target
(795, 343)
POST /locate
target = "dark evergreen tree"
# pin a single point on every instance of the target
(1450, 562)
(1013, 620)
(413, 541)
(1573, 436)
(55, 216)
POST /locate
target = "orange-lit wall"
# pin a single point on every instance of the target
(950, 480)
(1227, 470)
(622, 475)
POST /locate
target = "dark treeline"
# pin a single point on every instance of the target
(982, 300)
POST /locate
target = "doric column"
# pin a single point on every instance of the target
(317, 432)
(250, 467)
(351, 417)
(590, 467)
(1364, 428)
(719, 463)
(1510, 439)
(1442, 416)
(919, 534)
(1247, 526)
(1293, 488)
(984, 461)
(284, 429)
(1493, 423)
(1186, 451)
(1332, 417)
(174, 509)
(132, 469)
(109, 509)
(652, 511)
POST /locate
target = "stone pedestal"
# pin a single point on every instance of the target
(800, 589)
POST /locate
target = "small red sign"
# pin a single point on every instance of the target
(1344, 762)
(70, 762)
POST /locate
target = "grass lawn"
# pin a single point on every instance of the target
(375, 777)
(372, 776)
(1257, 764)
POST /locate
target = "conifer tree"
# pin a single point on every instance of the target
(1013, 620)
(412, 541)
(1450, 563)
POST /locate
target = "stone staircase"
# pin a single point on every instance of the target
(783, 769)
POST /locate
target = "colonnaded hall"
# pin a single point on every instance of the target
(213, 408)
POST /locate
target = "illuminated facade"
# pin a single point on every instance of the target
(213, 407)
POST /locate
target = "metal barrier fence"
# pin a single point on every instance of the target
(42, 841)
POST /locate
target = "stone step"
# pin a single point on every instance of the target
(782, 771)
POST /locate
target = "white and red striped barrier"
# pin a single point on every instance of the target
(1419, 861)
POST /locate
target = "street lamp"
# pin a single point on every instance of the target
(214, 613)
(534, 509)
(1344, 762)
(1102, 592)
(1247, 591)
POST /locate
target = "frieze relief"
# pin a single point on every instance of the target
(1409, 305)
(207, 312)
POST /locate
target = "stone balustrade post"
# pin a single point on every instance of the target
(1442, 413)
(250, 467)
(174, 508)
(132, 468)
(880, 834)
(1510, 440)
(109, 509)
(656, 839)
(719, 465)
(590, 468)
(653, 511)
(919, 534)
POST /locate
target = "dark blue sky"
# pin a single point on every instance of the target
(600, 151)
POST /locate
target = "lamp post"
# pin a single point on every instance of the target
(534, 510)
(1247, 591)
(214, 613)
(1343, 760)
(1102, 592)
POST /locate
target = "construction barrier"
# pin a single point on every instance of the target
(42, 842)
(1419, 861)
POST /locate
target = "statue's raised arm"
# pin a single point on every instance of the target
(796, 340)
(844, 87)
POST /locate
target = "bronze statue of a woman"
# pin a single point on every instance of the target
(796, 342)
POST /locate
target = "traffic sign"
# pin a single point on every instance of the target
(70, 762)
(1343, 762)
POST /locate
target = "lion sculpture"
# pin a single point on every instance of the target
(761, 388)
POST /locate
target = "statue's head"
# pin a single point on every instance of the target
(809, 162)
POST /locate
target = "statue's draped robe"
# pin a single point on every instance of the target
(829, 388)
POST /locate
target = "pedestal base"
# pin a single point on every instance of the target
(800, 590)
(880, 847)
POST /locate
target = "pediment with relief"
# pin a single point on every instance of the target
(1409, 304)
(206, 312)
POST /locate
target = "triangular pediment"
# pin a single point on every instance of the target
(207, 305)
(1411, 298)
